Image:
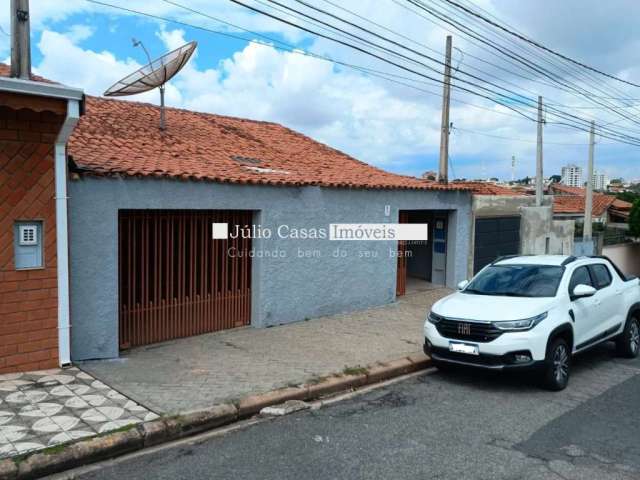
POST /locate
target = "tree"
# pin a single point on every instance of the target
(628, 196)
(555, 178)
(634, 219)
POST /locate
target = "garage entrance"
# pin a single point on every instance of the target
(175, 281)
(495, 237)
(422, 264)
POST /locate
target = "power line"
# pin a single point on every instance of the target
(568, 69)
(510, 53)
(540, 46)
(295, 50)
(578, 122)
(515, 139)
(575, 121)
(398, 65)
(364, 40)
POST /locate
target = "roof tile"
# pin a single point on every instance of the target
(123, 137)
(487, 188)
(574, 204)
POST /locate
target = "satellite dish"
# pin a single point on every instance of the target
(155, 74)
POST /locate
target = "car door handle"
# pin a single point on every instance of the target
(596, 302)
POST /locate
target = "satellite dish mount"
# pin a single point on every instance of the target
(154, 74)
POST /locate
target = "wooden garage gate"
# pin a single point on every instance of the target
(175, 281)
(401, 271)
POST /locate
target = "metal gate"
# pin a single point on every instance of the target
(175, 280)
(495, 237)
(401, 272)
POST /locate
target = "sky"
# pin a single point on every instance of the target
(395, 126)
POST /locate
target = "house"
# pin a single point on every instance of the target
(144, 267)
(572, 207)
(619, 211)
(560, 189)
(569, 203)
(506, 221)
(36, 117)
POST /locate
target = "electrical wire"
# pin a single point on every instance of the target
(540, 46)
(576, 89)
(390, 77)
(575, 122)
(579, 123)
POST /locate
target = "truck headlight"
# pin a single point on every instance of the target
(520, 325)
(434, 318)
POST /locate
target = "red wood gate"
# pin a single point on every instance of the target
(401, 275)
(175, 281)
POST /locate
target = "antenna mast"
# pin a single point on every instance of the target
(138, 43)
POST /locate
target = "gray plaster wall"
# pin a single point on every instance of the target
(541, 234)
(285, 289)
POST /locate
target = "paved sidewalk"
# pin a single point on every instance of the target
(200, 371)
(49, 407)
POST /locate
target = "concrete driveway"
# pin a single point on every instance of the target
(200, 371)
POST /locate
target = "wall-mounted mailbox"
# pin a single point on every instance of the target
(28, 245)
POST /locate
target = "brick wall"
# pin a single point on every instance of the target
(28, 298)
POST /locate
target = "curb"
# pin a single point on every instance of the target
(135, 437)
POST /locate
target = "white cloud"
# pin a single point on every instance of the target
(78, 33)
(376, 121)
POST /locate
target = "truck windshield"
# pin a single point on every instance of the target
(517, 281)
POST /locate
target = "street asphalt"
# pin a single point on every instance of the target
(458, 425)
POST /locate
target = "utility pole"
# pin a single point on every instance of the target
(539, 171)
(513, 168)
(20, 41)
(588, 205)
(443, 169)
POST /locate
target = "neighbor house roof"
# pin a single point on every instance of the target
(488, 188)
(620, 208)
(117, 137)
(5, 71)
(621, 204)
(574, 204)
(561, 189)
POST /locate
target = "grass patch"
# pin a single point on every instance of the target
(314, 380)
(124, 428)
(357, 370)
(54, 450)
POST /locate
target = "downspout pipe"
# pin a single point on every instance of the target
(62, 231)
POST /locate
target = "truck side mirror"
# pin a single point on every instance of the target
(582, 291)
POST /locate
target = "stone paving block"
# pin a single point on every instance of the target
(51, 407)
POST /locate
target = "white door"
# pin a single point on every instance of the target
(586, 310)
(610, 311)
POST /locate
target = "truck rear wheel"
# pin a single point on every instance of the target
(628, 344)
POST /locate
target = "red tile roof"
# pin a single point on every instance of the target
(574, 204)
(487, 188)
(123, 137)
(5, 71)
(566, 190)
(621, 204)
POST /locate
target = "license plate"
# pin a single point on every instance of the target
(467, 348)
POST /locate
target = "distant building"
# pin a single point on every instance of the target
(599, 181)
(572, 176)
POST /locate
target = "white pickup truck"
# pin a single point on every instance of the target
(535, 312)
